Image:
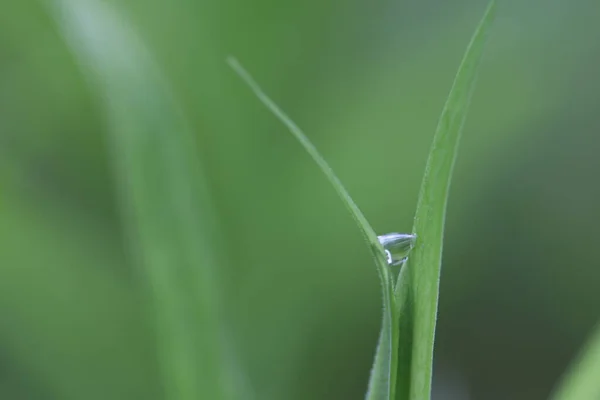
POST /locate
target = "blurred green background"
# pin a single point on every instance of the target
(366, 80)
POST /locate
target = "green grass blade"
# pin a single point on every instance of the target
(418, 298)
(382, 382)
(362, 222)
(165, 200)
(581, 381)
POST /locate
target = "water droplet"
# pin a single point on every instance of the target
(397, 246)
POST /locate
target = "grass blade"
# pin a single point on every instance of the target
(418, 297)
(581, 380)
(382, 382)
(361, 221)
(165, 200)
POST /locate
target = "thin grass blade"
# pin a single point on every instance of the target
(361, 221)
(382, 382)
(164, 197)
(418, 298)
(581, 382)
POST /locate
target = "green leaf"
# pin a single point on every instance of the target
(382, 382)
(581, 381)
(361, 221)
(417, 289)
(164, 197)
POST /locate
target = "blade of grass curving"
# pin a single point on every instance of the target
(164, 197)
(361, 221)
(381, 384)
(418, 298)
(581, 380)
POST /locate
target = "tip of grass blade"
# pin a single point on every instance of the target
(363, 224)
(422, 291)
(382, 380)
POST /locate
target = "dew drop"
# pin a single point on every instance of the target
(397, 246)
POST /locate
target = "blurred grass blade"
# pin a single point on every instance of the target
(381, 386)
(165, 200)
(582, 380)
(418, 298)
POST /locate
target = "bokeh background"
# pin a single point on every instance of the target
(366, 80)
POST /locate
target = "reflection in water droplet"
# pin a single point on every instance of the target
(397, 246)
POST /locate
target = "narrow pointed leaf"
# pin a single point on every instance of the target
(382, 382)
(361, 221)
(418, 298)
